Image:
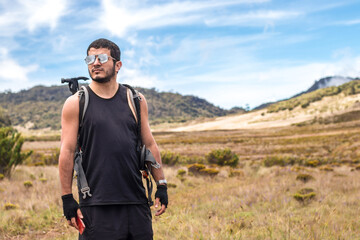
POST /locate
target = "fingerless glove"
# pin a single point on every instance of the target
(161, 193)
(70, 206)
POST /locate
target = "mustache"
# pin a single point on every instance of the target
(96, 69)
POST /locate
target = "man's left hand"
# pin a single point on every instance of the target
(161, 197)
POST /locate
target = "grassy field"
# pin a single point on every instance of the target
(258, 203)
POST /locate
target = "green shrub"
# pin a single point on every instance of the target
(28, 184)
(305, 195)
(195, 168)
(236, 173)
(326, 168)
(43, 180)
(10, 150)
(212, 172)
(312, 163)
(181, 172)
(304, 177)
(270, 161)
(1, 176)
(170, 158)
(10, 206)
(223, 157)
(41, 159)
(171, 185)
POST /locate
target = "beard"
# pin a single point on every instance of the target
(108, 75)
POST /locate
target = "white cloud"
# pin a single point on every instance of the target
(12, 74)
(120, 17)
(260, 17)
(349, 22)
(21, 15)
(234, 86)
(135, 77)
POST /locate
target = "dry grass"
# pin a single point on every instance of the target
(257, 205)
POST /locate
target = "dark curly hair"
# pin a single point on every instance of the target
(105, 43)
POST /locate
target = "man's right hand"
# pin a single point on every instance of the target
(71, 209)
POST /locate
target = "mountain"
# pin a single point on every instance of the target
(327, 82)
(305, 99)
(331, 105)
(332, 81)
(40, 107)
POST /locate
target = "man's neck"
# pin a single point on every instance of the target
(104, 90)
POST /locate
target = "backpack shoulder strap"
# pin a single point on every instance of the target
(135, 99)
(83, 104)
(131, 103)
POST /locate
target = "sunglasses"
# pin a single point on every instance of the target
(103, 58)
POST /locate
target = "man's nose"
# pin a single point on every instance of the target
(97, 61)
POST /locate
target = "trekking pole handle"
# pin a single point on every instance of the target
(73, 83)
(68, 80)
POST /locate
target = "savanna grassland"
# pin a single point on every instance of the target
(297, 182)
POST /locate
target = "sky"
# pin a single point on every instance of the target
(229, 52)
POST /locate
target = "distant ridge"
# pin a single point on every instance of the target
(319, 84)
(40, 107)
(327, 82)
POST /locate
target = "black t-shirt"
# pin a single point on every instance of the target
(110, 161)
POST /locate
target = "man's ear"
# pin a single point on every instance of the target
(118, 65)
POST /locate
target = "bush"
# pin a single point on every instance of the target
(10, 206)
(195, 168)
(236, 173)
(43, 180)
(304, 177)
(181, 173)
(312, 163)
(171, 185)
(305, 195)
(223, 157)
(1, 176)
(270, 161)
(10, 150)
(28, 184)
(209, 172)
(41, 159)
(326, 168)
(170, 158)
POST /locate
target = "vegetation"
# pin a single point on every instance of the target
(259, 205)
(280, 168)
(304, 177)
(305, 195)
(10, 150)
(40, 107)
(305, 100)
(4, 119)
(28, 184)
(223, 157)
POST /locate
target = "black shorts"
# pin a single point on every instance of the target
(110, 222)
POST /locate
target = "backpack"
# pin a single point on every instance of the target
(146, 159)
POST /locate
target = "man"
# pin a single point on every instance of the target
(117, 208)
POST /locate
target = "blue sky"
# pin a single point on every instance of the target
(230, 52)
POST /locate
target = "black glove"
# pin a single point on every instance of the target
(161, 193)
(70, 206)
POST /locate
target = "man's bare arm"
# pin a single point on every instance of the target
(150, 143)
(69, 130)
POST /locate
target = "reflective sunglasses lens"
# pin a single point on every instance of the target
(103, 58)
(90, 59)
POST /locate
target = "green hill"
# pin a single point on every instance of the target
(40, 107)
(304, 100)
(4, 119)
